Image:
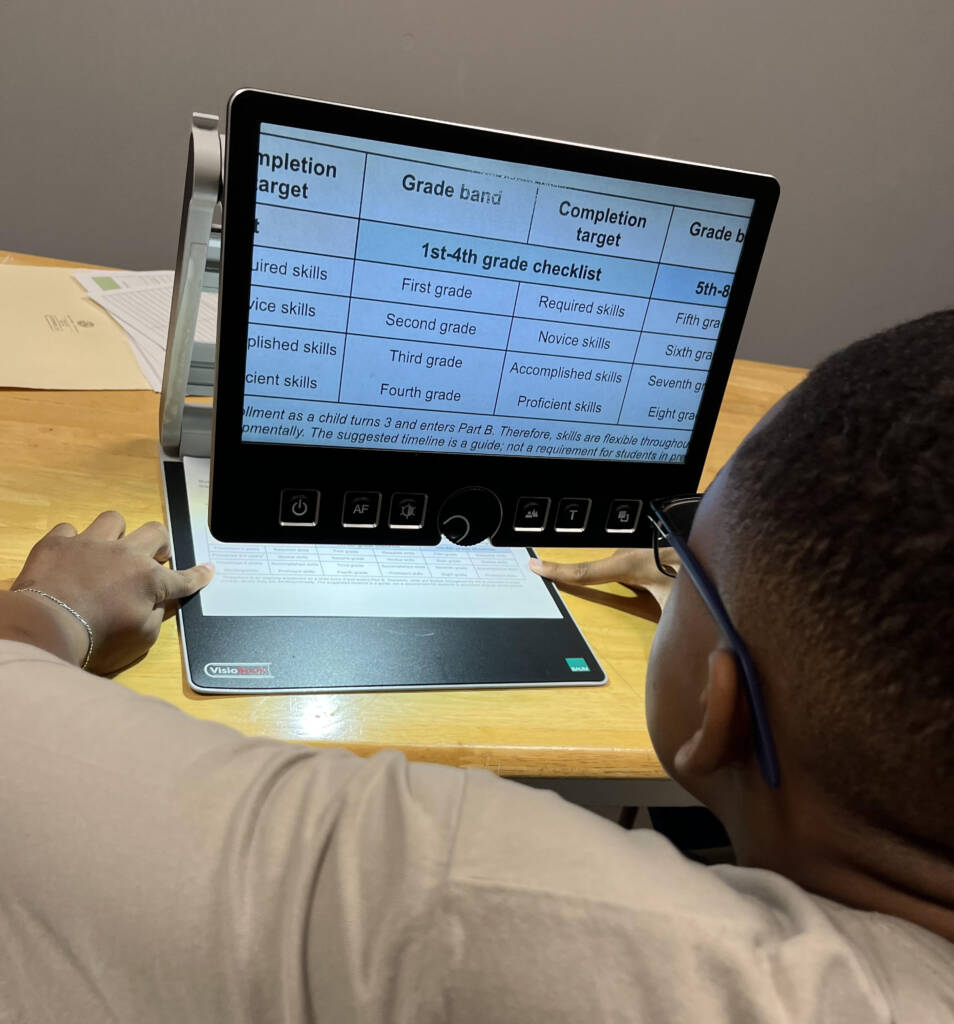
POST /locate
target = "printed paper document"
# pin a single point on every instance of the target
(446, 581)
(140, 303)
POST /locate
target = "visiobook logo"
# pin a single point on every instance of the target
(231, 669)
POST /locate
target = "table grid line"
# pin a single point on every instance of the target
(503, 360)
(645, 314)
(354, 260)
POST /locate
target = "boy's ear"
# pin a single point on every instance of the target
(724, 734)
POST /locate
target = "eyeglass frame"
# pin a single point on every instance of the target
(765, 750)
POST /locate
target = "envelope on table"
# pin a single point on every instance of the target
(52, 336)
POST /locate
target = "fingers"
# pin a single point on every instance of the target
(63, 530)
(154, 623)
(605, 570)
(106, 526)
(174, 585)
(151, 539)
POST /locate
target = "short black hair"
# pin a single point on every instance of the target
(839, 570)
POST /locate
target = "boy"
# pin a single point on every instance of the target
(158, 868)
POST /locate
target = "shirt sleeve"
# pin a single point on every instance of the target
(158, 868)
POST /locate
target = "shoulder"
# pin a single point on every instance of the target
(562, 916)
(914, 967)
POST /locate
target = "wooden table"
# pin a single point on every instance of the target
(68, 455)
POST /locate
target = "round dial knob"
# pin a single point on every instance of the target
(470, 515)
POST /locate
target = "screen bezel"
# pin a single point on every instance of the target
(232, 516)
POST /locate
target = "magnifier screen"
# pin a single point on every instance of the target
(411, 299)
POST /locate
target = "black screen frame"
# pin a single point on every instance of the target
(247, 477)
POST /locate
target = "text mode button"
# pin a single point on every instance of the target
(572, 514)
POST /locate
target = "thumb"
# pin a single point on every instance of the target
(606, 570)
(177, 584)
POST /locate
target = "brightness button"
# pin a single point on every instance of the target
(407, 511)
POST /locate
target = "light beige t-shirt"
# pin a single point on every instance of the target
(154, 868)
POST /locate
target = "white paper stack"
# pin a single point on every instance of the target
(140, 301)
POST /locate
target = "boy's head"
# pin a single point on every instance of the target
(830, 537)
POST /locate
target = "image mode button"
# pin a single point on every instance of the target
(531, 515)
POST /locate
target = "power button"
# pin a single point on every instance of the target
(298, 507)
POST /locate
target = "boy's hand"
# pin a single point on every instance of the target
(116, 582)
(633, 567)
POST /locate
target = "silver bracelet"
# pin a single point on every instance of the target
(72, 611)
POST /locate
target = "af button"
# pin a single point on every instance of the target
(361, 509)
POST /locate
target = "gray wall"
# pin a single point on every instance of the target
(848, 102)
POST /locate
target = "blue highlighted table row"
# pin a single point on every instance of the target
(311, 364)
(383, 282)
(298, 359)
(276, 308)
(284, 244)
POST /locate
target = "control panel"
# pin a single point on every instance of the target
(468, 516)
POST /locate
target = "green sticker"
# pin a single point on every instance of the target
(577, 664)
(106, 283)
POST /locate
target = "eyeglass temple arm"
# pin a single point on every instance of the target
(764, 744)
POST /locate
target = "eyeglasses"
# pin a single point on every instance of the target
(672, 518)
